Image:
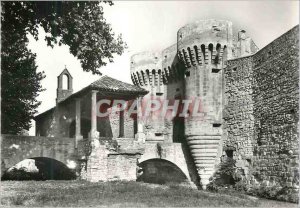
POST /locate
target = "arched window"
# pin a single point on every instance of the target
(197, 54)
(210, 49)
(217, 58)
(65, 82)
(203, 52)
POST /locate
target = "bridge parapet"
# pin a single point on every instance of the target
(176, 153)
(104, 160)
(15, 149)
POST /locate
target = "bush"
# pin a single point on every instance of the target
(229, 177)
(226, 175)
(241, 186)
(288, 194)
(274, 192)
(22, 175)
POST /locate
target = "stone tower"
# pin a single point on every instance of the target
(62, 93)
(203, 47)
(192, 69)
(160, 73)
(146, 72)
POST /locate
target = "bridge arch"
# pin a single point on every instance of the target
(160, 171)
(15, 149)
(176, 153)
(40, 168)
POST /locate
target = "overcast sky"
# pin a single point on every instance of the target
(152, 25)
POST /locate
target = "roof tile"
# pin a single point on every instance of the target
(111, 84)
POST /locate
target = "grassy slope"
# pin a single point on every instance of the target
(119, 194)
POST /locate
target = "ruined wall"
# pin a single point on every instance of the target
(261, 112)
(105, 163)
(122, 167)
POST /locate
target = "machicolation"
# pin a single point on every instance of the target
(249, 112)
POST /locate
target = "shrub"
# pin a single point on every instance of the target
(241, 186)
(228, 176)
(275, 192)
(22, 174)
(212, 186)
(288, 194)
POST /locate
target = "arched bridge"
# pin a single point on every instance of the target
(166, 155)
(165, 161)
(15, 149)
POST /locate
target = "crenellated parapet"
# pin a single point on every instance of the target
(205, 42)
(172, 67)
(203, 55)
(145, 69)
(193, 68)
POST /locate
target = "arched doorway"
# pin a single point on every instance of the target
(85, 128)
(178, 123)
(39, 168)
(160, 171)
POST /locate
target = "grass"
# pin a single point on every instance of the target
(118, 194)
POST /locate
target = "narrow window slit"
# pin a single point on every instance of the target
(217, 125)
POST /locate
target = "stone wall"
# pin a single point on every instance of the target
(108, 163)
(176, 153)
(146, 72)
(276, 110)
(173, 71)
(128, 122)
(161, 172)
(238, 113)
(60, 121)
(261, 113)
(193, 69)
(14, 149)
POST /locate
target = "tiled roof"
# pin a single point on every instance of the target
(110, 84)
(105, 85)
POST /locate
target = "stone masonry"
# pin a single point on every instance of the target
(193, 69)
(248, 103)
(249, 99)
(262, 111)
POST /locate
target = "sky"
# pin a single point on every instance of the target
(153, 26)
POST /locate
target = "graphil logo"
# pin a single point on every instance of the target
(151, 108)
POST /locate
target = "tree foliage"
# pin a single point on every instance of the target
(80, 25)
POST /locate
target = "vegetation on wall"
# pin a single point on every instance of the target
(229, 177)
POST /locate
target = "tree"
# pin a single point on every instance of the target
(80, 25)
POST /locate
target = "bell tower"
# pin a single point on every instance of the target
(64, 85)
